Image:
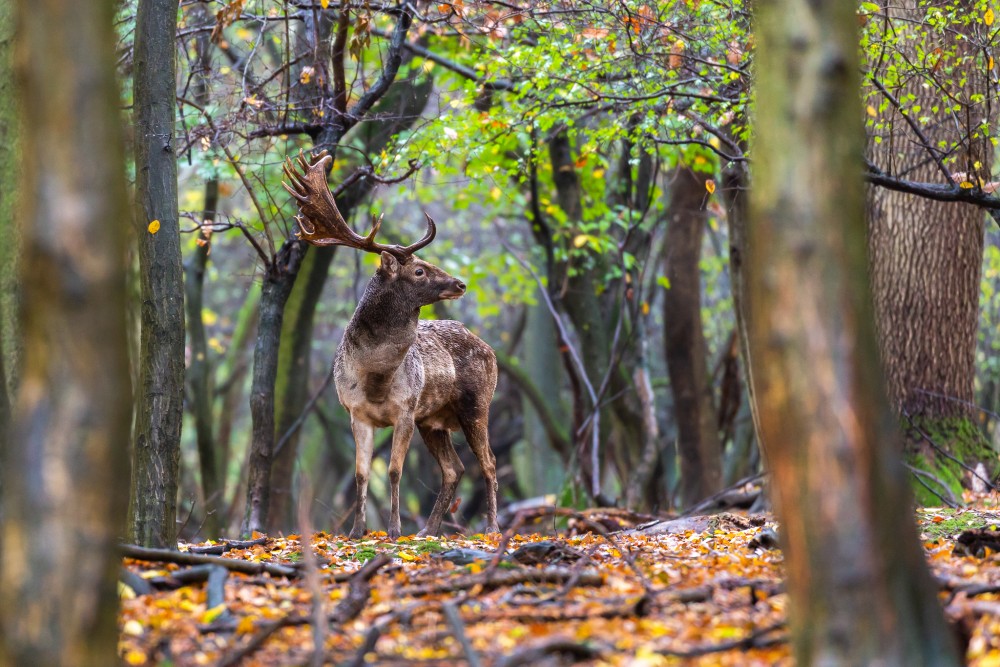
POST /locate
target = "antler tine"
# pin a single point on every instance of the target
(428, 236)
(376, 225)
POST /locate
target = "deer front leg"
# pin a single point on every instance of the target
(402, 433)
(443, 450)
(364, 443)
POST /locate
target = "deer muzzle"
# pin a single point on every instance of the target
(454, 290)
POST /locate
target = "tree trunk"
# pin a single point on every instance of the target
(292, 387)
(278, 281)
(10, 340)
(859, 589)
(199, 372)
(545, 469)
(686, 352)
(159, 404)
(66, 473)
(927, 262)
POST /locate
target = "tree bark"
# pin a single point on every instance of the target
(66, 472)
(159, 402)
(199, 372)
(927, 262)
(292, 387)
(859, 589)
(686, 352)
(279, 279)
(10, 340)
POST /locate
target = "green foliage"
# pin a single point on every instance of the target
(662, 76)
(931, 65)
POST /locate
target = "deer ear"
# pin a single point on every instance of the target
(389, 264)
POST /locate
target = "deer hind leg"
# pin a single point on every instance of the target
(364, 442)
(402, 433)
(443, 450)
(477, 433)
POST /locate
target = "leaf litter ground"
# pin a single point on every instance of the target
(695, 591)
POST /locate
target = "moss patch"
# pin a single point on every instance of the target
(944, 523)
(939, 448)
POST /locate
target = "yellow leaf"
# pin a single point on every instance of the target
(871, 111)
(645, 308)
(213, 613)
(598, 173)
(154, 226)
(324, 3)
(245, 626)
(965, 185)
(125, 592)
(710, 186)
(580, 240)
(134, 657)
(990, 64)
(988, 17)
(407, 556)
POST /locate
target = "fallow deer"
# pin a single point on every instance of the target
(391, 368)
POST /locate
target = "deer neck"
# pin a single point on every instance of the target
(384, 326)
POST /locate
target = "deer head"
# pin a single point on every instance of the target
(320, 223)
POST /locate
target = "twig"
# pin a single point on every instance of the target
(458, 627)
(536, 653)
(756, 639)
(227, 545)
(231, 564)
(503, 578)
(347, 610)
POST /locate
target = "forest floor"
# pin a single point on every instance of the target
(559, 587)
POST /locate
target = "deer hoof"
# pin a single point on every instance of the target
(357, 533)
(393, 533)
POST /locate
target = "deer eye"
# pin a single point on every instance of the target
(419, 272)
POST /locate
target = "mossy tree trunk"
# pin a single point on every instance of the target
(159, 400)
(10, 340)
(66, 467)
(927, 263)
(859, 589)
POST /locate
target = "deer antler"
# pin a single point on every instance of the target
(320, 221)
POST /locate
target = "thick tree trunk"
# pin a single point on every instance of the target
(686, 352)
(10, 339)
(927, 262)
(292, 388)
(66, 471)
(860, 592)
(159, 403)
(279, 278)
